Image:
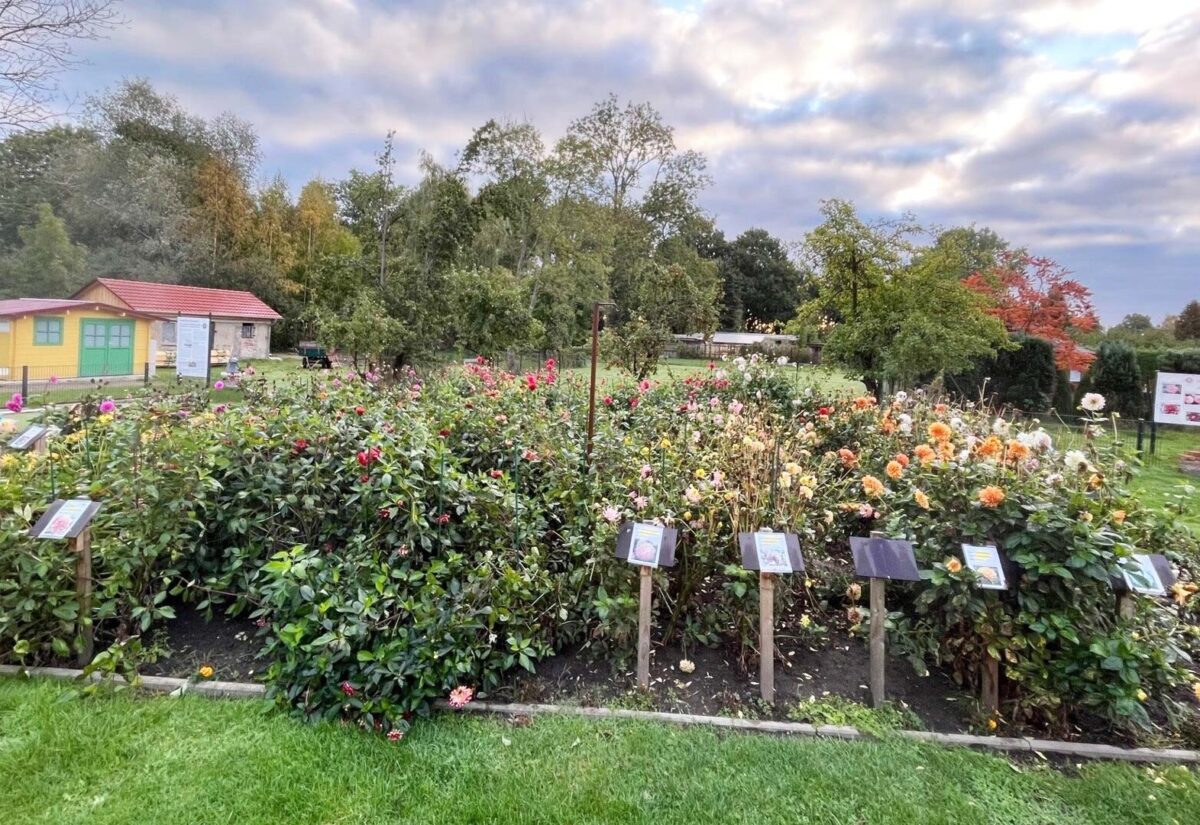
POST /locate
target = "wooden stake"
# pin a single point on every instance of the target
(1126, 606)
(40, 446)
(989, 684)
(81, 545)
(647, 580)
(766, 636)
(878, 617)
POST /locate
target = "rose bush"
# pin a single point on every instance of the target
(396, 541)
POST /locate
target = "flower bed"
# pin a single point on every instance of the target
(397, 542)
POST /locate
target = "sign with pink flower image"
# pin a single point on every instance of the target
(645, 544)
(65, 519)
(1177, 398)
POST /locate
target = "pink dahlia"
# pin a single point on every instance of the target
(460, 696)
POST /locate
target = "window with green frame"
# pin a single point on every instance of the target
(47, 332)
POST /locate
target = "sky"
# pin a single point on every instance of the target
(1071, 127)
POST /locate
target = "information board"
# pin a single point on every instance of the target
(985, 560)
(1177, 398)
(1142, 575)
(193, 336)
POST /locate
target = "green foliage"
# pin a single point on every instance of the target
(760, 282)
(1183, 360)
(47, 264)
(396, 541)
(367, 333)
(835, 710)
(1023, 376)
(1116, 376)
(1187, 325)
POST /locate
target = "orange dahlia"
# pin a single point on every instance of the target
(991, 496)
(872, 486)
(940, 431)
(894, 469)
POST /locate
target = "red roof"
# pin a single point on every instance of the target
(42, 306)
(174, 299)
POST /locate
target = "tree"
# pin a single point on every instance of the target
(223, 215)
(1187, 326)
(760, 281)
(1136, 322)
(974, 250)
(366, 331)
(370, 205)
(1116, 376)
(490, 311)
(850, 257)
(1022, 376)
(36, 45)
(919, 323)
(33, 168)
(1035, 296)
(47, 265)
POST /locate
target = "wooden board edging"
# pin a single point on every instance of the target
(1007, 744)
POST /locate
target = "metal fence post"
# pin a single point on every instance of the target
(25, 383)
(146, 374)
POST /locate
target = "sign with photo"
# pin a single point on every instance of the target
(1177, 398)
(65, 519)
(192, 340)
(985, 560)
(1141, 575)
(28, 437)
(646, 544)
(770, 552)
(884, 559)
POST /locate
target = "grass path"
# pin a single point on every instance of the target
(161, 760)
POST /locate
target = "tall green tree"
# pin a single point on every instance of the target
(46, 264)
(760, 281)
(1187, 326)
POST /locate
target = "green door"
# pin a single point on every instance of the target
(105, 347)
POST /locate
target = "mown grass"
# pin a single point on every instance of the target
(141, 760)
(823, 381)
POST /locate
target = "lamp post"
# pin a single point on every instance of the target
(591, 424)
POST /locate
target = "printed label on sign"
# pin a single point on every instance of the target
(1177, 398)
(772, 553)
(68, 514)
(984, 559)
(1141, 576)
(645, 544)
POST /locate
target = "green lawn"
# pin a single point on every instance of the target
(822, 380)
(194, 760)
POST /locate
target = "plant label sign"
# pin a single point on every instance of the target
(769, 552)
(985, 561)
(28, 437)
(1177, 398)
(192, 338)
(65, 519)
(1147, 574)
(646, 545)
(876, 558)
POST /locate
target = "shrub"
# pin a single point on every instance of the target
(1180, 360)
(1115, 375)
(1023, 377)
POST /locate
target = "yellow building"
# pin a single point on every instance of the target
(71, 339)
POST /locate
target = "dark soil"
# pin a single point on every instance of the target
(719, 686)
(230, 646)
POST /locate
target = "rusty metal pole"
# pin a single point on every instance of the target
(591, 423)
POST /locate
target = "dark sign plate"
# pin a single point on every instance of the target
(884, 559)
(65, 519)
(750, 552)
(1144, 580)
(656, 554)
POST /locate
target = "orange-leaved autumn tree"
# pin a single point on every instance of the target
(1036, 296)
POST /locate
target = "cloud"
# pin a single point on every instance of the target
(1070, 126)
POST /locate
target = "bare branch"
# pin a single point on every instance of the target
(37, 40)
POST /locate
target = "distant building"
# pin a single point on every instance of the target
(737, 343)
(60, 338)
(241, 322)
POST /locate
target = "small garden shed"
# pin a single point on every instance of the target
(68, 339)
(241, 322)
